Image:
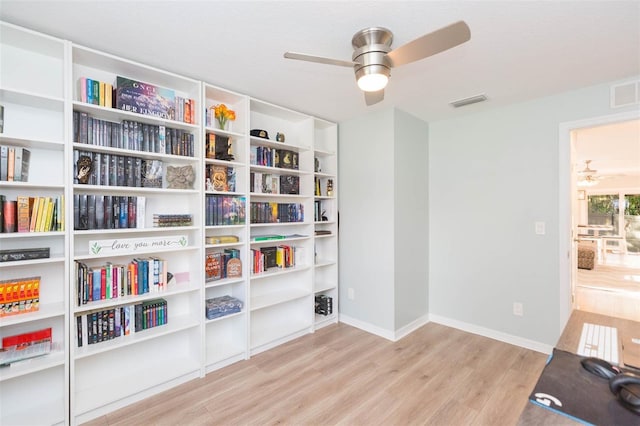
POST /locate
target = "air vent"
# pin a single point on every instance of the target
(468, 101)
(625, 94)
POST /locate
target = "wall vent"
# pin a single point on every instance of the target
(625, 94)
(468, 101)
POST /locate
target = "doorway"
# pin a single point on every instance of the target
(605, 220)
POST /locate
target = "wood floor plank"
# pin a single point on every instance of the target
(341, 375)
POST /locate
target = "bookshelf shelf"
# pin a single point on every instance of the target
(225, 317)
(176, 324)
(279, 271)
(134, 153)
(255, 141)
(278, 170)
(36, 143)
(52, 259)
(116, 115)
(171, 290)
(223, 282)
(32, 365)
(103, 189)
(87, 256)
(46, 311)
(276, 298)
(30, 99)
(324, 262)
(321, 286)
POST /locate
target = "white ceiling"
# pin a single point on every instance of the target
(614, 151)
(519, 50)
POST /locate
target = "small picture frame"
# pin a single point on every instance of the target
(582, 194)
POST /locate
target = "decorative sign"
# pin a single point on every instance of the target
(132, 245)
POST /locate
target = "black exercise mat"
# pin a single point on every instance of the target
(585, 397)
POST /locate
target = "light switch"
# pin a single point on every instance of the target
(540, 228)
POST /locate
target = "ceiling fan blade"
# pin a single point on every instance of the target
(373, 97)
(319, 59)
(430, 44)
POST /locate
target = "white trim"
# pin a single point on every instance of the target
(492, 334)
(369, 328)
(564, 201)
(411, 327)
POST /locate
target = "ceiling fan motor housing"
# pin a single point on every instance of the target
(371, 46)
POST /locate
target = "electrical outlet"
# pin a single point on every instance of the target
(518, 309)
(540, 228)
(351, 294)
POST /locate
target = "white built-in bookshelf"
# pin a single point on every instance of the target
(89, 374)
(33, 91)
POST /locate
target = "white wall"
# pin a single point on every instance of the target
(366, 197)
(492, 175)
(383, 159)
(411, 203)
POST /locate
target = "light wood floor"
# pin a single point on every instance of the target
(612, 288)
(341, 375)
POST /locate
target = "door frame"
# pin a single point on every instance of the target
(567, 189)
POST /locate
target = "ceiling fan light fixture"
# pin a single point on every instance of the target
(372, 82)
(372, 78)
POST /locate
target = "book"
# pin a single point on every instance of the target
(11, 163)
(4, 162)
(221, 239)
(17, 164)
(23, 205)
(3, 199)
(152, 173)
(144, 98)
(9, 215)
(26, 160)
(268, 237)
(12, 255)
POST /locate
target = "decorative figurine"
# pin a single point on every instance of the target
(84, 166)
(324, 217)
(329, 187)
(209, 185)
(280, 137)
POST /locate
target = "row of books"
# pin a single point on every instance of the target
(32, 214)
(267, 183)
(217, 307)
(224, 264)
(19, 296)
(224, 210)
(165, 220)
(273, 157)
(132, 135)
(108, 324)
(95, 92)
(109, 281)
(92, 211)
(270, 212)
(220, 178)
(218, 147)
(323, 305)
(14, 163)
(264, 258)
(147, 99)
(117, 170)
(24, 346)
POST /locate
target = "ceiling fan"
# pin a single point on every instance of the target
(589, 176)
(373, 57)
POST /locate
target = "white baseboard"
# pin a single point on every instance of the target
(411, 327)
(492, 334)
(460, 325)
(365, 326)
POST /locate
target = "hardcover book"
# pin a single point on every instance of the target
(143, 98)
